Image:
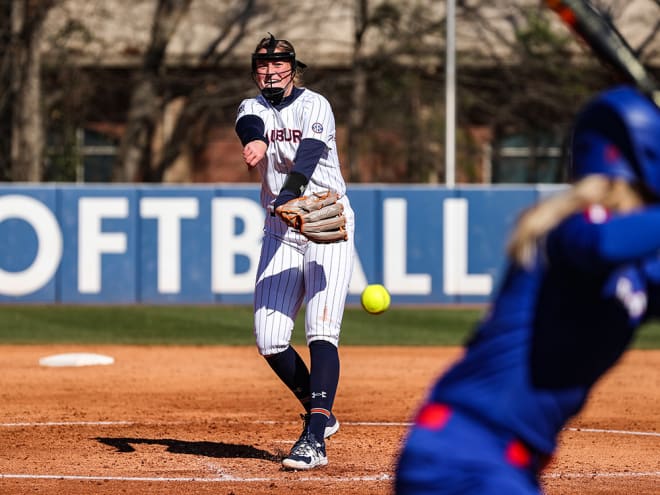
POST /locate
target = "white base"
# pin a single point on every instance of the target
(76, 359)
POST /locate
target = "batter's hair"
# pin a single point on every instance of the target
(614, 194)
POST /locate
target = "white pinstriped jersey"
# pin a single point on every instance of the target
(308, 116)
(293, 271)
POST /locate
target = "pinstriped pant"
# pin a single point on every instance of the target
(294, 271)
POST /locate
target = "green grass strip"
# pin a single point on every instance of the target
(232, 325)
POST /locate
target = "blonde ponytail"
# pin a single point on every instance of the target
(538, 220)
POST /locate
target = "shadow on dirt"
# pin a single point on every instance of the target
(207, 449)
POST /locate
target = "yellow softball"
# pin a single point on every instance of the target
(375, 299)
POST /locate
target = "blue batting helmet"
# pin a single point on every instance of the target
(618, 134)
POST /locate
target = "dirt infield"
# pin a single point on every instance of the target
(216, 420)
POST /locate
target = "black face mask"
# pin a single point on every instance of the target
(273, 95)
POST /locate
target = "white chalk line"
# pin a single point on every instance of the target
(625, 474)
(124, 423)
(234, 479)
(222, 479)
(616, 432)
(268, 422)
(323, 479)
(408, 424)
(350, 423)
(380, 477)
(67, 423)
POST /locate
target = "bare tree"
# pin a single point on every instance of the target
(396, 58)
(515, 75)
(210, 100)
(356, 118)
(5, 89)
(517, 71)
(145, 104)
(206, 95)
(198, 99)
(27, 132)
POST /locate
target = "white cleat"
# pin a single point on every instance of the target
(331, 427)
(307, 453)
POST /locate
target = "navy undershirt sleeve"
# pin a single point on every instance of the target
(621, 239)
(307, 158)
(308, 155)
(250, 128)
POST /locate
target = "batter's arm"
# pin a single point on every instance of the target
(594, 246)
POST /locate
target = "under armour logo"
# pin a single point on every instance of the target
(323, 395)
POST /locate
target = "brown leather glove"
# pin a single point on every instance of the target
(318, 217)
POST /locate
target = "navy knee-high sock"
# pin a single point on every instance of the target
(292, 370)
(324, 378)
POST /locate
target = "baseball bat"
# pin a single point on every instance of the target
(606, 42)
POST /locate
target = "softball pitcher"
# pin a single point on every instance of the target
(584, 273)
(288, 134)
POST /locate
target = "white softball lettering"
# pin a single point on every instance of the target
(49, 239)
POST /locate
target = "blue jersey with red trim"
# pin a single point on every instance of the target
(556, 327)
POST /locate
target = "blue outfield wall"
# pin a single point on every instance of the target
(102, 244)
